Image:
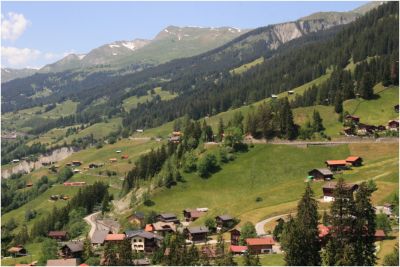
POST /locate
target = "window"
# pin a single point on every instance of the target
(134, 240)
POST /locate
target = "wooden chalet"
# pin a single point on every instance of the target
(99, 237)
(336, 165)
(329, 188)
(224, 221)
(393, 125)
(354, 160)
(321, 174)
(63, 262)
(365, 129)
(192, 214)
(325, 231)
(197, 233)
(17, 251)
(72, 249)
(58, 235)
(238, 250)
(167, 217)
(260, 245)
(164, 227)
(235, 236)
(136, 218)
(143, 241)
(353, 119)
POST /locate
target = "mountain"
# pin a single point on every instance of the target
(8, 74)
(171, 43)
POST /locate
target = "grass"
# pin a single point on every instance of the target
(133, 101)
(34, 251)
(245, 67)
(386, 247)
(64, 109)
(376, 111)
(265, 260)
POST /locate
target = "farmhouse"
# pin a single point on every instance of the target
(393, 125)
(335, 165)
(58, 235)
(329, 188)
(364, 129)
(144, 241)
(167, 217)
(291, 92)
(321, 174)
(98, 237)
(175, 137)
(354, 160)
(238, 249)
(324, 231)
(72, 249)
(63, 262)
(17, 251)
(274, 96)
(224, 221)
(235, 236)
(192, 215)
(136, 218)
(260, 245)
(196, 234)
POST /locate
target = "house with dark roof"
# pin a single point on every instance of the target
(143, 241)
(354, 161)
(393, 125)
(260, 245)
(329, 188)
(192, 214)
(235, 236)
(98, 237)
(58, 235)
(167, 217)
(196, 233)
(224, 221)
(136, 218)
(163, 228)
(321, 174)
(72, 249)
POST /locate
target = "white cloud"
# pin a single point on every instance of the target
(17, 57)
(13, 26)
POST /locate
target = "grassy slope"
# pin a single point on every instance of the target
(133, 101)
(377, 111)
(247, 66)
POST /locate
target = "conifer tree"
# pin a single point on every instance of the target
(221, 128)
(87, 249)
(110, 255)
(317, 122)
(366, 86)
(290, 243)
(125, 253)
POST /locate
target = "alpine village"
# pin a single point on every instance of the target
(271, 146)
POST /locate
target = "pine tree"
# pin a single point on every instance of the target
(221, 128)
(366, 86)
(125, 253)
(110, 255)
(317, 122)
(290, 242)
(105, 206)
(87, 249)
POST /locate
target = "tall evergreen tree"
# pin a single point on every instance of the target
(317, 122)
(366, 86)
(125, 253)
(110, 255)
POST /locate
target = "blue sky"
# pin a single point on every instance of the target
(37, 33)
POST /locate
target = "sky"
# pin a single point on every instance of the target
(34, 34)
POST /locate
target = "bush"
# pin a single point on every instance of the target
(207, 165)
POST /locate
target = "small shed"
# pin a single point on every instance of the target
(235, 236)
(238, 250)
(58, 235)
(72, 249)
(17, 251)
(354, 160)
(335, 165)
(224, 220)
(260, 245)
(321, 174)
(112, 160)
(197, 233)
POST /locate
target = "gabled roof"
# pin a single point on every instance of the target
(167, 215)
(99, 236)
(62, 262)
(352, 158)
(260, 241)
(15, 249)
(336, 162)
(115, 237)
(323, 171)
(197, 229)
(159, 226)
(225, 217)
(332, 185)
(57, 233)
(238, 249)
(379, 233)
(74, 246)
(323, 230)
(142, 233)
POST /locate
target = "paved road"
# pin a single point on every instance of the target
(91, 220)
(260, 225)
(343, 141)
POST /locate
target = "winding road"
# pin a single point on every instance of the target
(91, 220)
(260, 225)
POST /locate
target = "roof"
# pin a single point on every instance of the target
(197, 229)
(99, 236)
(167, 215)
(149, 228)
(323, 230)
(379, 233)
(115, 237)
(260, 241)
(336, 162)
(57, 233)
(225, 217)
(84, 264)
(332, 185)
(238, 248)
(142, 233)
(113, 158)
(352, 158)
(137, 214)
(159, 226)
(352, 116)
(324, 171)
(15, 249)
(62, 262)
(75, 246)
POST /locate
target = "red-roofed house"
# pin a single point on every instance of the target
(336, 164)
(237, 249)
(260, 245)
(379, 235)
(114, 237)
(58, 235)
(354, 160)
(149, 228)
